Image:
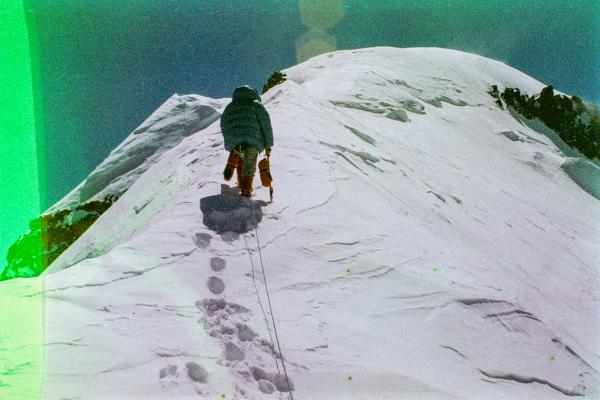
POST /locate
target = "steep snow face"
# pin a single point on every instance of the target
(423, 244)
(175, 119)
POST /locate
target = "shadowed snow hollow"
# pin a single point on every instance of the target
(422, 244)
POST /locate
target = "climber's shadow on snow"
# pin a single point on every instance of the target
(230, 214)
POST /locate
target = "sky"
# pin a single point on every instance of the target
(106, 65)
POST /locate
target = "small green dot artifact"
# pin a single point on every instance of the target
(551, 358)
(348, 270)
(435, 269)
(349, 378)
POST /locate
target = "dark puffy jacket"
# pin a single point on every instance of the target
(245, 119)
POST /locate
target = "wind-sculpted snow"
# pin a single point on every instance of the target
(528, 379)
(447, 256)
(367, 158)
(384, 108)
(512, 136)
(585, 173)
(362, 135)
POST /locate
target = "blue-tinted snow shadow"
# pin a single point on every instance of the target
(583, 171)
(230, 214)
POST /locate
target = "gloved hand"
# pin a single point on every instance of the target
(268, 151)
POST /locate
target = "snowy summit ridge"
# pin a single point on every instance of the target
(423, 244)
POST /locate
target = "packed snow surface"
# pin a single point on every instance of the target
(423, 243)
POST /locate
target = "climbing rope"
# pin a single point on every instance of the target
(260, 303)
(269, 302)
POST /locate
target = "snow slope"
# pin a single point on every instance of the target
(423, 244)
(178, 117)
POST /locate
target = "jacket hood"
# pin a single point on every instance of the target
(245, 92)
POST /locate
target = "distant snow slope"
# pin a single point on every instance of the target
(176, 118)
(423, 244)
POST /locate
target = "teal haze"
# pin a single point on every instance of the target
(107, 64)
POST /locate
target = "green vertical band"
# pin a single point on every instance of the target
(38, 104)
(22, 192)
(596, 39)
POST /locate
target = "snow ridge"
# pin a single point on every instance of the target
(178, 117)
(423, 244)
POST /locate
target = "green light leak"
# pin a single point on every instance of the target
(596, 33)
(23, 189)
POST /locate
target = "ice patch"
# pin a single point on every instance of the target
(366, 157)
(437, 101)
(362, 136)
(397, 114)
(413, 106)
(585, 173)
(512, 136)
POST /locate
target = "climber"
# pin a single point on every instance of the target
(246, 129)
